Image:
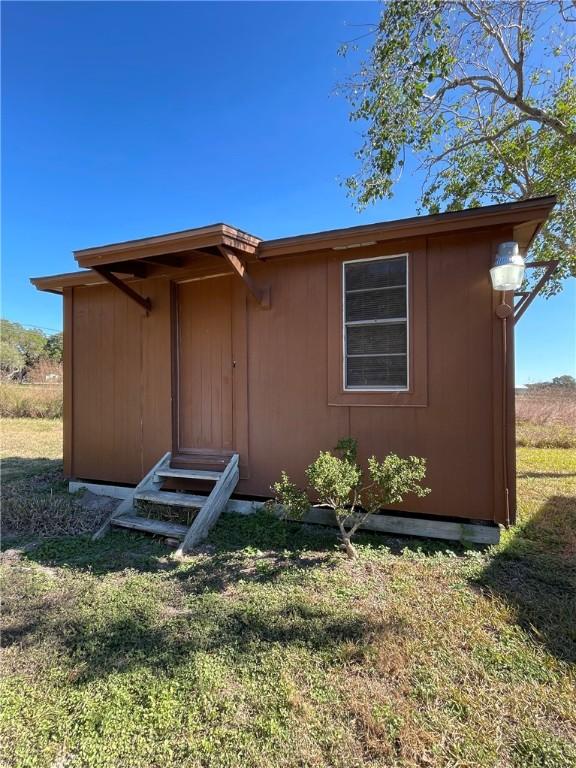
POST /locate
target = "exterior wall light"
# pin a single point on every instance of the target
(507, 275)
(508, 271)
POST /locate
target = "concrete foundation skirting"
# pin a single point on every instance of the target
(402, 526)
(114, 491)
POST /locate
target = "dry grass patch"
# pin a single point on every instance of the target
(546, 419)
(529, 435)
(547, 406)
(33, 401)
(30, 447)
(34, 494)
(41, 506)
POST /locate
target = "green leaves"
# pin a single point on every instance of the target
(293, 501)
(394, 478)
(337, 483)
(333, 479)
(348, 447)
(463, 88)
(408, 54)
(21, 348)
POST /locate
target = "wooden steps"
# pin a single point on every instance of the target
(202, 460)
(189, 474)
(149, 489)
(149, 525)
(213, 506)
(171, 498)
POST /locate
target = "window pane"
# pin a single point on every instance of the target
(376, 371)
(376, 350)
(376, 273)
(376, 339)
(376, 305)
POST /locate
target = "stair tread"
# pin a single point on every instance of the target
(189, 474)
(203, 460)
(147, 524)
(172, 498)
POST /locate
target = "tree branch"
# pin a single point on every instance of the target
(480, 16)
(486, 139)
(536, 113)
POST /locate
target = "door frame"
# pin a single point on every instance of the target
(239, 344)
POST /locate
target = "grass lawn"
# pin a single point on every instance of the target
(268, 648)
(29, 447)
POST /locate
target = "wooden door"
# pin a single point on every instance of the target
(203, 417)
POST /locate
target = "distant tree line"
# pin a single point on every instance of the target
(558, 382)
(22, 350)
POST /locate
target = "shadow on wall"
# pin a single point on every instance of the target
(536, 573)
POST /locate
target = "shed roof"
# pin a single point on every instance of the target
(526, 217)
(171, 243)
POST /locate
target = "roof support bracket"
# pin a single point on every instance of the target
(527, 297)
(260, 293)
(142, 301)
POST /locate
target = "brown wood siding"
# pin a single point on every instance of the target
(455, 422)
(289, 416)
(454, 432)
(283, 406)
(121, 382)
(204, 336)
(68, 364)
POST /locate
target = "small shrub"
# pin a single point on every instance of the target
(291, 499)
(337, 482)
(29, 401)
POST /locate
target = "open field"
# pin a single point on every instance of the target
(29, 447)
(268, 648)
(546, 419)
(35, 401)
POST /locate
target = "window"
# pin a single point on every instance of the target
(375, 323)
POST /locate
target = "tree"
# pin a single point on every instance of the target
(54, 348)
(20, 344)
(337, 483)
(564, 381)
(483, 93)
(558, 382)
(12, 361)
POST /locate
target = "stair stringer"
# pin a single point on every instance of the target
(211, 510)
(148, 482)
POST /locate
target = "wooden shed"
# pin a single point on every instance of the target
(199, 346)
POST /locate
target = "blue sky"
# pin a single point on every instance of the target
(122, 120)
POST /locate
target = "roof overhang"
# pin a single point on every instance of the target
(526, 217)
(189, 240)
(57, 283)
(180, 251)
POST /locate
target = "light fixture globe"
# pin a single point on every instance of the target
(508, 271)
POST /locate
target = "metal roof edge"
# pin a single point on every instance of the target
(212, 229)
(406, 227)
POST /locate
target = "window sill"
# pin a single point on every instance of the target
(379, 399)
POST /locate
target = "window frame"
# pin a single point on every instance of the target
(406, 319)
